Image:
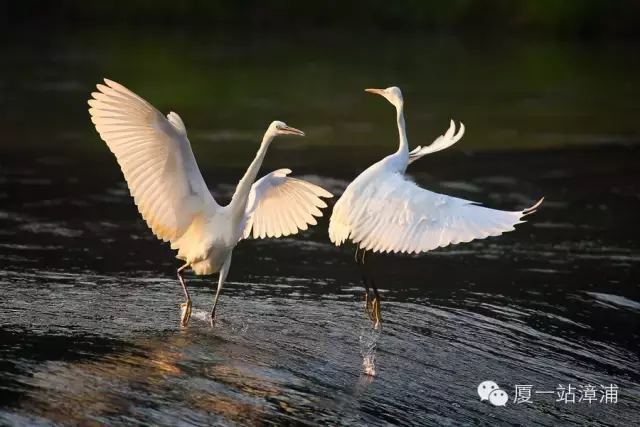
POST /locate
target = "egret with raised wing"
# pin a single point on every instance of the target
(382, 211)
(155, 156)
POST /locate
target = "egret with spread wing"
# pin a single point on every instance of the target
(382, 211)
(157, 162)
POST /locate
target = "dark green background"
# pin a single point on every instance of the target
(519, 74)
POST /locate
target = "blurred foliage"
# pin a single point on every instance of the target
(510, 93)
(582, 18)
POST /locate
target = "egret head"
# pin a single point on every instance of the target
(392, 94)
(281, 128)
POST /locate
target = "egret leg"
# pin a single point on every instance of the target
(185, 307)
(377, 312)
(221, 278)
(360, 253)
(374, 310)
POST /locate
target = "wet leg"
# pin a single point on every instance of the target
(374, 311)
(221, 278)
(360, 253)
(377, 312)
(185, 307)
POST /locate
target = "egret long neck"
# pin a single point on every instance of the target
(239, 200)
(404, 143)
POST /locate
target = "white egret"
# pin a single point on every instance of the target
(382, 211)
(161, 171)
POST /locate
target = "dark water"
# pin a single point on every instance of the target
(89, 305)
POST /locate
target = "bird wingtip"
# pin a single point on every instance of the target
(538, 203)
(282, 172)
(533, 208)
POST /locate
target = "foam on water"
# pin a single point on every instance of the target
(201, 315)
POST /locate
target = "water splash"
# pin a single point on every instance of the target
(201, 315)
(232, 323)
(368, 339)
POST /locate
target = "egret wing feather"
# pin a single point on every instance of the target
(440, 143)
(282, 206)
(155, 157)
(392, 214)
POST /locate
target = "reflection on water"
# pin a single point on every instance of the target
(89, 311)
(125, 386)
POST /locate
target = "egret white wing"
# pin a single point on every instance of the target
(392, 214)
(281, 206)
(155, 157)
(443, 141)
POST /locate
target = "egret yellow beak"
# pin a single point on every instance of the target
(292, 131)
(376, 91)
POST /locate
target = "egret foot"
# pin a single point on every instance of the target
(377, 314)
(213, 317)
(368, 307)
(185, 312)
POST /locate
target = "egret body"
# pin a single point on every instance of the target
(382, 211)
(155, 156)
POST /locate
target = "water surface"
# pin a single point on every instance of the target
(89, 330)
